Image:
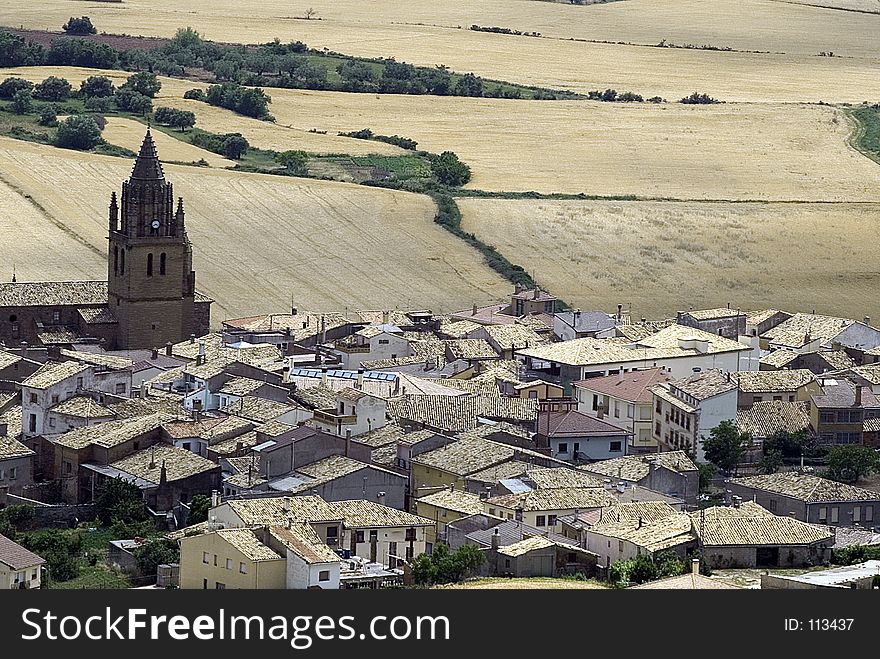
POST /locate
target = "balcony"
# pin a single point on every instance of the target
(352, 348)
(332, 418)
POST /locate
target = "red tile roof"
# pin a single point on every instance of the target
(634, 387)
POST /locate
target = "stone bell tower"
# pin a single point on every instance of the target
(151, 283)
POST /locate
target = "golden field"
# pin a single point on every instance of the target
(436, 33)
(323, 245)
(278, 135)
(723, 151)
(129, 133)
(658, 257)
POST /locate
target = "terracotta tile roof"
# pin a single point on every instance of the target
(505, 470)
(231, 445)
(795, 331)
(687, 581)
(179, 463)
(807, 487)
(634, 387)
(705, 384)
(359, 513)
(572, 423)
(12, 448)
(301, 325)
(82, 407)
(765, 418)
(53, 293)
(470, 349)
(557, 498)
(110, 433)
(743, 530)
(302, 540)
(760, 316)
(459, 413)
(276, 510)
(458, 329)
(664, 533)
(245, 541)
(525, 546)
(779, 358)
(870, 373)
(97, 359)
(549, 478)
(16, 556)
(260, 410)
(788, 380)
(52, 373)
(636, 467)
(714, 314)
(455, 500)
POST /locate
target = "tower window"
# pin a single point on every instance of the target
(115, 260)
(122, 263)
(149, 265)
(162, 263)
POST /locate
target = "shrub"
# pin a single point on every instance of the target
(98, 104)
(22, 102)
(198, 509)
(117, 499)
(96, 86)
(443, 566)
(249, 102)
(195, 94)
(235, 146)
(145, 83)
(180, 119)
(449, 170)
(11, 86)
(295, 162)
(129, 100)
(154, 553)
(699, 99)
(53, 89)
(82, 25)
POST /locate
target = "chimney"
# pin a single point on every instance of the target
(600, 412)
(536, 293)
(324, 375)
(202, 349)
(606, 484)
(496, 540)
(169, 348)
(619, 311)
(292, 311)
(154, 353)
(215, 498)
(695, 566)
(858, 401)
(360, 379)
(867, 320)
(192, 338)
(621, 487)
(641, 522)
(475, 310)
(347, 442)
(142, 392)
(385, 316)
(152, 457)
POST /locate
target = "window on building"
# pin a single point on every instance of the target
(79, 383)
(206, 557)
(507, 563)
(374, 535)
(659, 407)
(33, 398)
(826, 417)
(15, 330)
(540, 520)
(834, 514)
(228, 563)
(411, 535)
(32, 423)
(630, 411)
(620, 546)
(869, 513)
(533, 394)
(551, 520)
(162, 260)
(595, 402)
(657, 429)
(215, 560)
(149, 265)
(324, 575)
(120, 387)
(772, 505)
(383, 342)
(115, 260)
(857, 513)
(491, 511)
(51, 421)
(122, 262)
(563, 447)
(204, 584)
(823, 514)
(617, 409)
(614, 447)
(220, 586)
(242, 568)
(56, 317)
(332, 535)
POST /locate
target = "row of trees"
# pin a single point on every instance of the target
(251, 102)
(275, 64)
(726, 447)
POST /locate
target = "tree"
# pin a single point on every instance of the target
(53, 88)
(16, 51)
(771, 462)
(195, 94)
(96, 86)
(295, 162)
(726, 446)
(82, 25)
(186, 38)
(117, 499)
(154, 553)
(469, 85)
(636, 570)
(22, 102)
(707, 472)
(449, 170)
(235, 146)
(48, 116)
(129, 100)
(443, 566)
(144, 82)
(698, 99)
(848, 464)
(180, 119)
(198, 509)
(11, 86)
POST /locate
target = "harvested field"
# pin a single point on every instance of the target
(129, 133)
(722, 151)
(263, 134)
(316, 238)
(436, 33)
(660, 257)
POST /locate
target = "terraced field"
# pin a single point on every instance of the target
(323, 245)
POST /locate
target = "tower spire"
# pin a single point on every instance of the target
(147, 166)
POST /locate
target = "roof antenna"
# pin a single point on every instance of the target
(13, 273)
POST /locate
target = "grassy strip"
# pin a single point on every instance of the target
(865, 137)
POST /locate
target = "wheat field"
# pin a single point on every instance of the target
(279, 135)
(129, 133)
(660, 257)
(788, 69)
(323, 245)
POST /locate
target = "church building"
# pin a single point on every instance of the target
(149, 298)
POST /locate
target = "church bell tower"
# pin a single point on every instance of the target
(151, 283)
